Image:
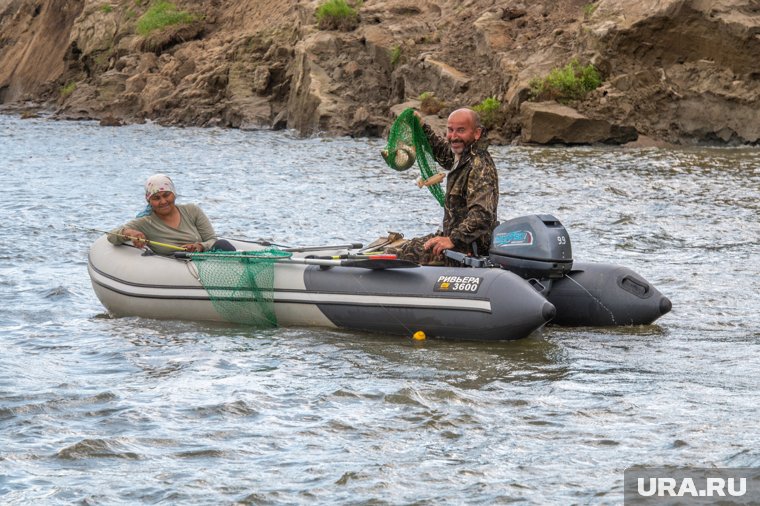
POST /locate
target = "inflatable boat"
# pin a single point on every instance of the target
(527, 280)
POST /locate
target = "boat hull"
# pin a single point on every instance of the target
(445, 302)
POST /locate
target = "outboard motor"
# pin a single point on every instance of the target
(534, 247)
(537, 248)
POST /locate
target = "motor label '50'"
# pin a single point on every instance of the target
(469, 284)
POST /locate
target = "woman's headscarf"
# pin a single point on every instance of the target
(158, 183)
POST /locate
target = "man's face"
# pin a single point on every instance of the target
(461, 131)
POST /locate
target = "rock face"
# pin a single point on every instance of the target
(34, 40)
(682, 71)
(552, 123)
(679, 70)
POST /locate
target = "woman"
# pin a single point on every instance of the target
(184, 225)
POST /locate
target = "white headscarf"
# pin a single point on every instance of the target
(158, 183)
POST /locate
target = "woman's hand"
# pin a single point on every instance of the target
(194, 247)
(137, 237)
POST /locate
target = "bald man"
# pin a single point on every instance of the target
(472, 192)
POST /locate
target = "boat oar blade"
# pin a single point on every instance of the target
(354, 257)
(374, 263)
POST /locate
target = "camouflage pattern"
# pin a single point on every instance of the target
(472, 196)
(414, 251)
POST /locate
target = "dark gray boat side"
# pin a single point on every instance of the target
(594, 294)
(448, 302)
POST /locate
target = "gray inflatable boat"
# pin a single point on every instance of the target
(527, 280)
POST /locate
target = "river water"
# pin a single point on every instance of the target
(101, 410)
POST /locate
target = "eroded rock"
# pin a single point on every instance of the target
(675, 70)
(553, 123)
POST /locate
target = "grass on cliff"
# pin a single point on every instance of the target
(489, 111)
(336, 15)
(395, 55)
(161, 14)
(589, 9)
(430, 104)
(570, 82)
(68, 89)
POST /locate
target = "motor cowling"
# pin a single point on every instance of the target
(535, 246)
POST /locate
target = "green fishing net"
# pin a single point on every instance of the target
(240, 284)
(406, 141)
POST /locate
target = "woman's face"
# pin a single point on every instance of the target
(162, 203)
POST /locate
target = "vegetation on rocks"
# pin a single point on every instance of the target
(336, 15)
(589, 9)
(68, 89)
(571, 82)
(395, 55)
(430, 104)
(162, 14)
(489, 111)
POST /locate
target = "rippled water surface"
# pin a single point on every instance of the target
(97, 410)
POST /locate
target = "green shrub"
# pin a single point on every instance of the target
(430, 104)
(395, 55)
(489, 111)
(68, 89)
(106, 9)
(336, 15)
(161, 14)
(589, 9)
(571, 82)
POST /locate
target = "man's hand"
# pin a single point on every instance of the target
(438, 244)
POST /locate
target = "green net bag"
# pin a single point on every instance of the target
(407, 142)
(240, 284)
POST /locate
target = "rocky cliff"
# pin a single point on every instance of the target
(681, 71)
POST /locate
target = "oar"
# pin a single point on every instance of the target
(353, 245)
(260, 242)
(363, 263)
(152, 243)
(301, 249)
(378, 256)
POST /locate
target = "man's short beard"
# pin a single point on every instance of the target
(465, 146)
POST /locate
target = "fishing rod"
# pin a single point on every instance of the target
(300, 249)
(132, 238)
